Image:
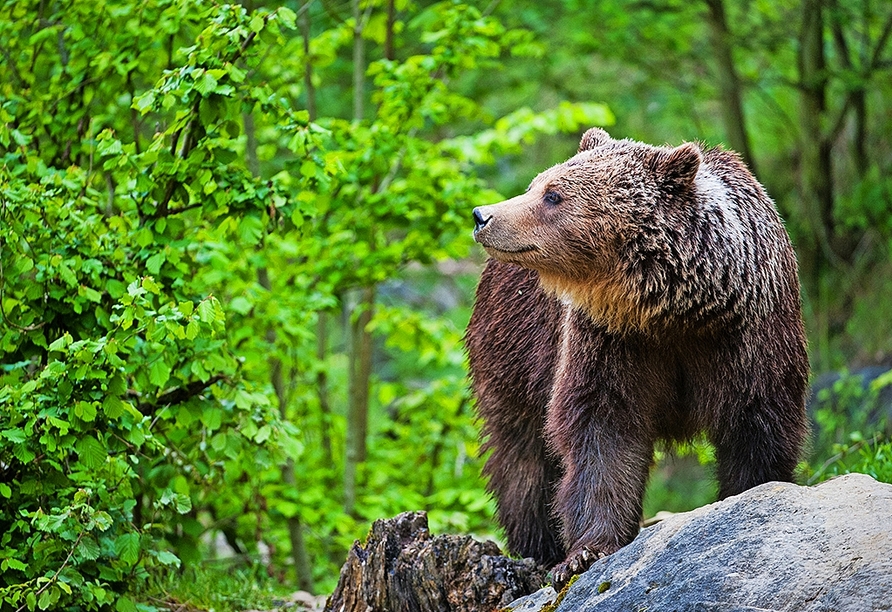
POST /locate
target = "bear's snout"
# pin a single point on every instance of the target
(499, 228)
(480, 220)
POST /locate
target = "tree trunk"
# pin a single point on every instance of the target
(358, 63)
(322, 386)
(815, 169)
(360, 356)
(299, 555)
(358, 408)
(302, 565)
(309, 88)
(322, 316)
(729, 82)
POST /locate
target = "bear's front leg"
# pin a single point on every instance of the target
(599, 499)
(599, 423)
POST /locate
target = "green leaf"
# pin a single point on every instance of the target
(192, 329)
(125, 604)
(308, 168)
(16, 435)
(250, 230)
(23, 453)
(85, 411)
(148, 283)
(206, 310)
(256, 23)
(183, 503)
(91, 452)
(286, 16)
(206, 84)
(159, 373)
(127, 547)
(143, 103)
(15, 564)
(89, 293)
(61, 343)
(44, 602)
(212, 418)
(103, 520)
(136, 436)
(153, 263)
(113, 406)
(88, 549)
(5, 491)
(168, 558)
(134, 289)
(241, 305)
(263, 434)
(68, 276)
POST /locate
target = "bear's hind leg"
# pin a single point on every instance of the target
(763, 444)
(522, 477)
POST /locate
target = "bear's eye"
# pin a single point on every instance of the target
(552, 198)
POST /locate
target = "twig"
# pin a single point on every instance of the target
(180, 394)
(26, 328)
(841, 455)
(58, 571)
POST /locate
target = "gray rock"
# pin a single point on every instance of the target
(775, 547)
(534, 601)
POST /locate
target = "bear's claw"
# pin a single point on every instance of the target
(576, 563)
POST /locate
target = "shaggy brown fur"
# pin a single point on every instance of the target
(635, 294)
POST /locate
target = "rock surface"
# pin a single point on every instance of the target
(403, 568)
(775, 547)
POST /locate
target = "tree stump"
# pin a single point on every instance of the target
(403, 568)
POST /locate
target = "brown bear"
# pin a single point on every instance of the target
(634, 294)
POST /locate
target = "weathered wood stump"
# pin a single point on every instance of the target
(403, 568)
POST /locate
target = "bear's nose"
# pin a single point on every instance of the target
(479, 221)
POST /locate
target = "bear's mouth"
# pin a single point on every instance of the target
(518, 251)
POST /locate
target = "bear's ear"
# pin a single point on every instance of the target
(678, 166)
(593, 138)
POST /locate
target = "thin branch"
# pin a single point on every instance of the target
(15, 71)
(489, 9)
(134, 114)
(839, 38)
(58, 571)
(180, 394)
(840, 121)
(875, 63)
(3, 314)
(842, 455)
(332, 12)
(397, 164)
(881, 43)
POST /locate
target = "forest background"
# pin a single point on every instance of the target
(236, 260)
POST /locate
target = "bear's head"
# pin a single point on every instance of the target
(588, 225)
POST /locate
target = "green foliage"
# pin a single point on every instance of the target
(682, 478)
(123, 405)
(871, 456)
(218, 586)
(852, 433)
(173, 229)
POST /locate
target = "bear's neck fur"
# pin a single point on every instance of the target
(609, 302)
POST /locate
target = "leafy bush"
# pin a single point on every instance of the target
(852, 426)
(174, 236)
